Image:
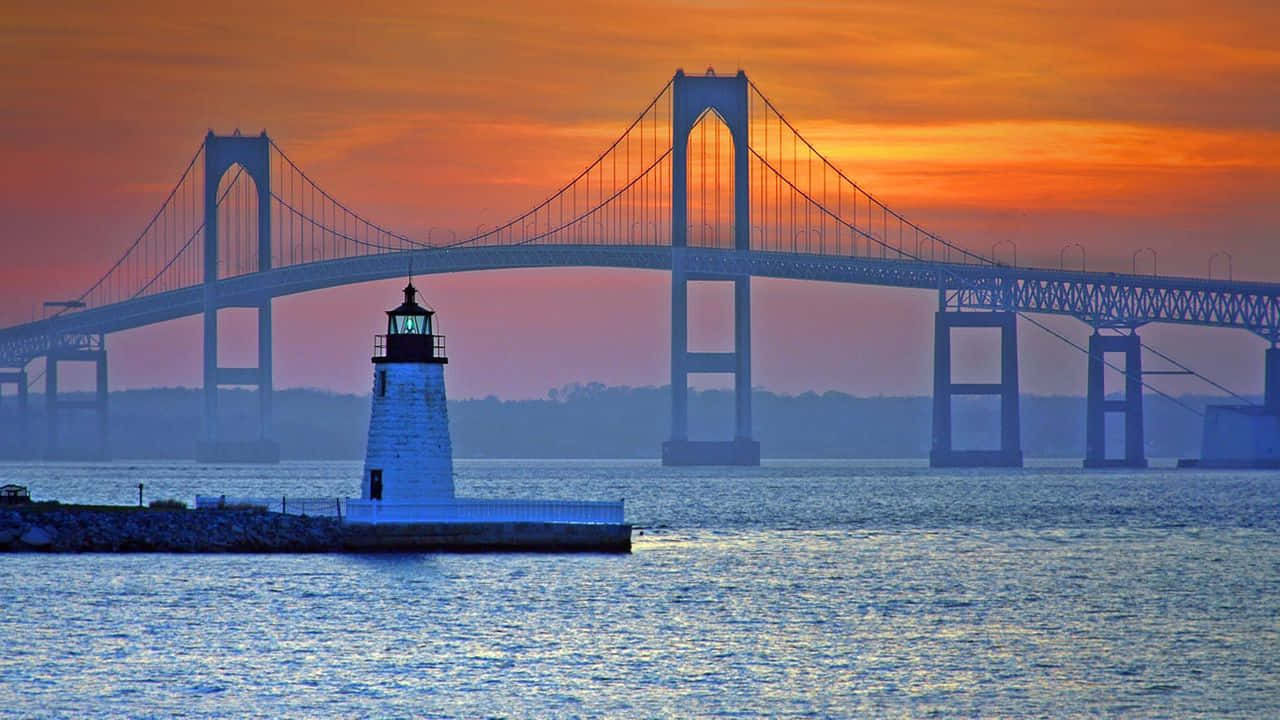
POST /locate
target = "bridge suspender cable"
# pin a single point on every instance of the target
(1125, 371)
(143, 234)
(871, 198)
(598, 207)
(1180, 366)
(943, 269)
(195, 234)
(344, 208)
(519, 219)
(312, 222)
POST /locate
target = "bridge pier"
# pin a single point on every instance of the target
(213, 448)
(943, 453)
(680, 450)
(54, 449)
(17, 443)
(1271, 380)
(1097, 405)
(1244, 436)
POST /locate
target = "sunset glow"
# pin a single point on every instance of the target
(1130, 126)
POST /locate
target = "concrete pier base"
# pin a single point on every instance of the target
(1244, 436)
(975, 458)
(1238, 437)
(742, 451)
(487, 537)
(249, 451)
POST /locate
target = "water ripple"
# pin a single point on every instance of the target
(797, 590)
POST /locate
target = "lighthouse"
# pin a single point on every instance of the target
(408, 457)
(407, 499)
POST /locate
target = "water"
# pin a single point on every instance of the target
(800, 588)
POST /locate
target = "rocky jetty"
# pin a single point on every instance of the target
(54, 528)
(49, 527)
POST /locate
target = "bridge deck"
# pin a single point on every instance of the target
(1095, 297)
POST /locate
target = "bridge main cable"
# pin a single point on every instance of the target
(546, 203)
(943, 269)
(872, 198)
(141, 235)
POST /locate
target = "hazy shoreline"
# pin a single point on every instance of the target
(597, 422)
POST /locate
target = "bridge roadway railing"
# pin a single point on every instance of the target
(1098, 298)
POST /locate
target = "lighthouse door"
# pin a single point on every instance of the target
(375, 484)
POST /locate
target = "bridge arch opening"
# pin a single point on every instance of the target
(237, 226)
(710, 189)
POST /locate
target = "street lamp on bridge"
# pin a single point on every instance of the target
(1000, 243)
(434, 228)
(920, 241)
(1154, 260)
(1063, 252)
(1226, 255)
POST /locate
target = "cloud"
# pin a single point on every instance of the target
(424, 114)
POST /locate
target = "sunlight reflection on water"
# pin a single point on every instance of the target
(821, 589)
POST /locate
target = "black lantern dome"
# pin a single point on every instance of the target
(409, 335)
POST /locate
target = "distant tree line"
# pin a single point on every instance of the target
(596, 421)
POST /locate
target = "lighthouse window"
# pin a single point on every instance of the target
(411, 325)
(382, 383)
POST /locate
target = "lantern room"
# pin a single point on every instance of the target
(409, 335)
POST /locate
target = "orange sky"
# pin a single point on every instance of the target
(1119, 127)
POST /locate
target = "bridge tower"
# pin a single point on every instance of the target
(1097, 406)
(253, 154)
(692, 96)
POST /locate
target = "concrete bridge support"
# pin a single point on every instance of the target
(680, 450)
(214, 448)
(1271, 381)
(943, 453)
(1097, 405)
(691, 97)
(1244, 436)
(54, 406)
(17, 441)
(253, 154)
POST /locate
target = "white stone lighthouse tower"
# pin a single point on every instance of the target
(408, 458)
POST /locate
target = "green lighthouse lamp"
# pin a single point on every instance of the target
(409, 333)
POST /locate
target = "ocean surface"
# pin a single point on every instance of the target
(816, 589)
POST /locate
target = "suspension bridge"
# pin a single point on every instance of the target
(710, 182)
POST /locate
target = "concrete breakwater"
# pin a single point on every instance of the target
(71, 529)
(54, 528)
